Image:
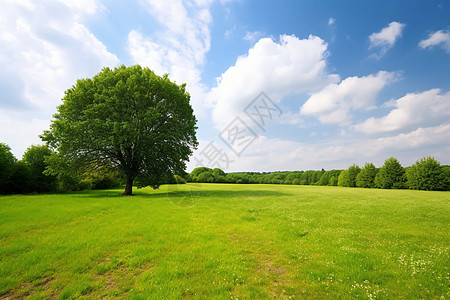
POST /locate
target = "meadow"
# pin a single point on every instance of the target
(226, 241)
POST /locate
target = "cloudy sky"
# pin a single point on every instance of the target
(275, 85)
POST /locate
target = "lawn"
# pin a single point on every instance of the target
(226, 241)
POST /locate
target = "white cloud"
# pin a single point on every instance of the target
(437, 38)
(18, 133)
(424, 109)
(180, 48)
(291, 66)
(331, 21)
(274, 154)
(386, 38)
(44, 48)
(336, 102)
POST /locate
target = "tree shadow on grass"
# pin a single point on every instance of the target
(187, 195)
(108, 193)
(182, 194)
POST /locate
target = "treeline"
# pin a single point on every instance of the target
(30, 175)
(425, 174)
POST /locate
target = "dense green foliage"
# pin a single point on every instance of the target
(35, 158)
(7, 161)
(235, 241)
(392, 175)
(31, 174)
(427, 174)
(207, 175)
(348, 177)
(366, 178)
(127, 120)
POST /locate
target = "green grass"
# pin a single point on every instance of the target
(226, 241)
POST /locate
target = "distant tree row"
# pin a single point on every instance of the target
(425, 174)
(29, 175)
(207, 175)
(32, 175)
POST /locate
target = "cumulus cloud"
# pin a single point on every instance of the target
(291, 66)
(44, 48)
(180, 48)
(336, 102)
(331, 21)
(386, 38)
(275, 154)
(423, 109)
(438, 38)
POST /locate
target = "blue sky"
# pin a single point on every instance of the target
(347, 81)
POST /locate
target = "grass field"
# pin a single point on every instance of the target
(226, 241)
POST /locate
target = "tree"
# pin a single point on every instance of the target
(366, 178)
(128, 119)
(333, 180)
(193, 176)
(426, 174)
(21, 180)
(353, 172)
(391, 175)
(324, 179)
(7, 161)
(343, 178)
(348, 177)
(219, 175)
(206, 177)
(35, 158)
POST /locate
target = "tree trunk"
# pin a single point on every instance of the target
(128, 188)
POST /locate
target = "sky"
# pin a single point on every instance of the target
(275, 85)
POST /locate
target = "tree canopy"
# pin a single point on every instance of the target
(391, 175)
(127, 119)
(426, 174)
(366, 178)
(35, 158)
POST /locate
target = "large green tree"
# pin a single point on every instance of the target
(127, 119)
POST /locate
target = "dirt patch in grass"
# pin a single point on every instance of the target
(28, 289)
